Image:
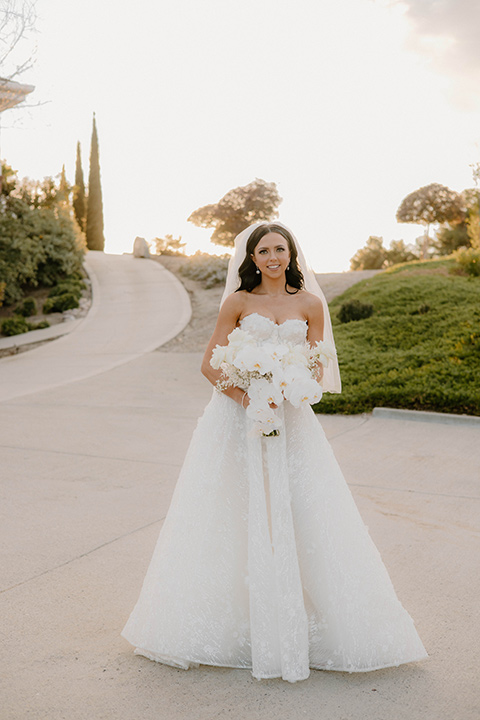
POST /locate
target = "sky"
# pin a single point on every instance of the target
(347, 105)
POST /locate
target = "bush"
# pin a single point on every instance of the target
(403, 358)
(354, 310)
(210, 270)
(72, 286)
(60, 303)
(15, 326)
(38, 246)
(27, 308)
(469, 260)
(40, 325)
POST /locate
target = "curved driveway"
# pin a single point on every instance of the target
(137, 306)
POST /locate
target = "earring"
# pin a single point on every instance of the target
(288, 266)
(257, 271)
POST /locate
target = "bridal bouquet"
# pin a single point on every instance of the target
(270, 374)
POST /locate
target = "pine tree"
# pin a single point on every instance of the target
(79, 200)
(95, 237)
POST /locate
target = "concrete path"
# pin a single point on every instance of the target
(87, 471)
(137, 305)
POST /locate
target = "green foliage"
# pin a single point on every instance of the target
(72, 285)
(371, 256)
(375, 256)
(207, 269)
(451, 237)
(354, 310)
(27, 308)
(433, 203)
(15, 325)
(39, 242)
(79, 199)
(405, 356)
(94, 225)
(239, 208)
(60, 303)
(40, 325)
(469, 260)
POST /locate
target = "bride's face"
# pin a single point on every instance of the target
(272, 255)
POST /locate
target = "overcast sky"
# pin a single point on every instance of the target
(348, 105)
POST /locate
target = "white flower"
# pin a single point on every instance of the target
(263, 392)
(254, 359)
(218, 356)
(323, 351)
(297, 355)
(240, 338)
(303, 391)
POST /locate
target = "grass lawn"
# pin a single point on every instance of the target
(419, 350)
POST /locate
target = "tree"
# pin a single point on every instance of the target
(258, 201)
(472, 198)
(64, 188)
(371, 257)
(450, 237)
(430, 204)
(168, 245)
(17, 23)
(94, 233)
(79, 200)
(398, 252)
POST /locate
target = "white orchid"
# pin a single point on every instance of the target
(303, 391)
(263, 392)
(270, 373)
(254, 359)
(219, 354)
(323, 351)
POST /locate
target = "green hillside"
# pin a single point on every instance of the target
(419, 350)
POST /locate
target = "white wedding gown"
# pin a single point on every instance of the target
(263, 561)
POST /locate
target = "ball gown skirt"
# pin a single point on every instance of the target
(263, 560)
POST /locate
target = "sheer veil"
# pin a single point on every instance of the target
(331, 377)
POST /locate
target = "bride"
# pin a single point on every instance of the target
(263, 561)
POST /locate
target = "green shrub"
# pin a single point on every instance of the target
(38, 246)
(27, 308)
(15, 325)
(60, 303)
(469, 260)
(40, 325)
(72, 286)
(403, 356)
(354, 310)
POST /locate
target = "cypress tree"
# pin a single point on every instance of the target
(63, 192)
(79, 200)
(95, 237)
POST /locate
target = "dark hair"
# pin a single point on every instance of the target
(249, 278)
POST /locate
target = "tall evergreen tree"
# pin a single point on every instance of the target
(95, 237)
(79, 199)
(64, 189)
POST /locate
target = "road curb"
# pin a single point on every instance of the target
(423, 416)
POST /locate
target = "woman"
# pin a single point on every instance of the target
(263, 561)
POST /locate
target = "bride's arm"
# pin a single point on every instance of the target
(315, 321)
(227, 320)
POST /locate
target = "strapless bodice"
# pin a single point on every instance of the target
(264, 329)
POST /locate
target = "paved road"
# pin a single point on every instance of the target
(87, 470)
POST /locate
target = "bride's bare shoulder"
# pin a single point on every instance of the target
(233, 305)
(312, 303)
